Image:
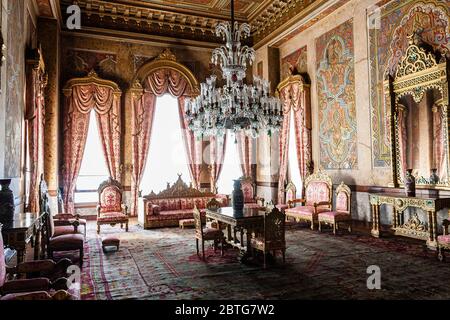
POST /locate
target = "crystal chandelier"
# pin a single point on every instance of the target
(236, 106)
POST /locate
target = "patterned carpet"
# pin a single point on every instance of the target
(162, 264)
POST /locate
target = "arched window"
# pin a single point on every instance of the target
(231, 169)
(93, 169)
(294, 171)
(167, 155)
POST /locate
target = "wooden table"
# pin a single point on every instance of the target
(249, 220)
(414, 227)
(25, 228)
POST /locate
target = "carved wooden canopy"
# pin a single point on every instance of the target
(178, 190)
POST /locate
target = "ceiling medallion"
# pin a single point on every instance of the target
(236, 106)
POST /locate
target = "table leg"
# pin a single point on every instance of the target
(375, 221)
(229, 233)
(37, 244)
(395, 218)
(432, 229)
(20, 256)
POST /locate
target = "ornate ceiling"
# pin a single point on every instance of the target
(187, 19)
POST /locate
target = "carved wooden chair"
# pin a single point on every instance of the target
(318, 198)
(443, 241)
(111, 210)
(207, 234)
(67, 219)
(291, 192)
(273, 236)
(250, 198)
(37, 279)
(342, 214)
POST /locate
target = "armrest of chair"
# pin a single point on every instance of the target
(445, 225)
(294, 201)
(322, 203)
(25, 285)
(153, 209)
(40, 295)
(124, 209)
(47, 266)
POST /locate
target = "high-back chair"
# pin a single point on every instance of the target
(67, 219)
(318, 198)
(342, 214)
(291, 192)
(58, 238)
(206, 234)
(273, 236)
(111, 210)
(250, 198)
(443, 241)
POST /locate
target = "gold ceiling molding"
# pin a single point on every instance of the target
(165, 60)
(92, 78)
(194, 19)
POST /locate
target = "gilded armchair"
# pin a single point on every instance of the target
(291, 192)
(443, 241)
(318, 198)
(251, 200)
(273, 236)
(39, 279)
(111, 210)
(342, 214)
(206, 234)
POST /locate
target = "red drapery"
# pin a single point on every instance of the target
(245, 151)
(217, 146)
(80, 101)
(295, 97)
(157, 83)
(35, 121)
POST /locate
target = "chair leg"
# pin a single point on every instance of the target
(312, 224)
(350, 227)
(98, 229)
(126, 227)
(440, 254)
(196, 242)
(264, 265)
(221, 247)
(203, 250)
(81, 257)
(320, 227)
(334, 228)
(284, 255)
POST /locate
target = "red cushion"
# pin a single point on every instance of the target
(210, 233)
(112, 217)
(61, 230)
(67, 242)
(305, 210)
(444, 238)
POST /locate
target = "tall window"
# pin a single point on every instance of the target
(294, 171)
(231, 169)
(93, 169)
(167, 155)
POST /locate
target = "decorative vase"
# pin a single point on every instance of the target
(237, 197)
(6, 202)
(410, 184)
(434, 178)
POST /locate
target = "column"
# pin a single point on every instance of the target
(48, 33)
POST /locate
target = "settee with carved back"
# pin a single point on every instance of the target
(173, 204)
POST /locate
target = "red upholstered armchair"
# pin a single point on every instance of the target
(318, 198)
(63, 219)
(110, 209)
(47, 279)
(342, 214)
(250, 198)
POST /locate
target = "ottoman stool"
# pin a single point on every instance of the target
(110, 243)
(186, 223)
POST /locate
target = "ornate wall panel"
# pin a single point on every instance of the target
(387, 45)
(15, 70)
(336, 97)
(83, 61)
(297, 60)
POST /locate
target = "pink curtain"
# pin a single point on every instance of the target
(156, 84)
(143, 110)
(401, 114)
(80, 101)
(193, 146)
(217, 147)
(35, 120)
(295, 97)
(245, 151)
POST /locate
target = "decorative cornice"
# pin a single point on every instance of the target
(92, 78)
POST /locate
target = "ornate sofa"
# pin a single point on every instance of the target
(318, 198)
(173, 204)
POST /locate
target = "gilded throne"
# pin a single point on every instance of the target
(110, 209)
(318, 198)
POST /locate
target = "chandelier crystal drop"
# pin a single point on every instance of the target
(236, 106)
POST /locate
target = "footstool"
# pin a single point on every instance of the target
(186, 223)
(110, 243)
